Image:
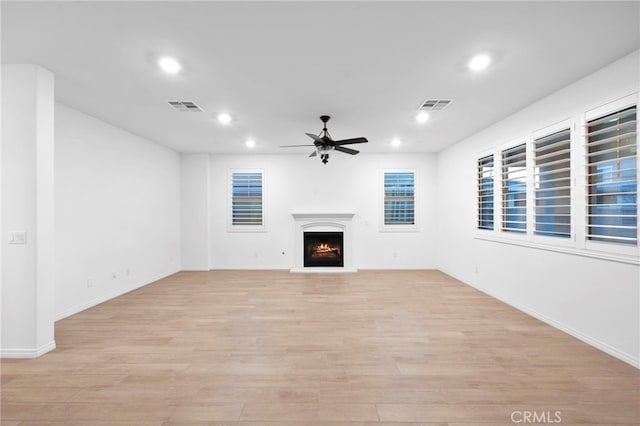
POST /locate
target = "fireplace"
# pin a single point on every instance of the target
(322, 249)
(332, 254)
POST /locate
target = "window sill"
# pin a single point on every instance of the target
(399, 228)
(245, 229)
(620, 258)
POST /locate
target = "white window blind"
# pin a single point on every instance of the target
(552, 177)
(485, 192)
(399, 198)
(246, 198)
(514, 189)
(612, 204)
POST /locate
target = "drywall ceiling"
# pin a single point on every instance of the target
(277, 66)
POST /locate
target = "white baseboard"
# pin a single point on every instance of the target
(27, 353)
(604, 347)
(323, 270)
(248, 268)
(288, 268)
(103, 298)
(399, 268)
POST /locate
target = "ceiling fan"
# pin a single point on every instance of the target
(324, 144)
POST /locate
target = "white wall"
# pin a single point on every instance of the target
(28, 206)
(195, 211)
(595, 300)
(117, 211)
(296, 183)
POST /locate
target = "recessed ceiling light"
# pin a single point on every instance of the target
(169, 65)
(250, 143)
(422, 117)
(224, 118)
(479, 62)
(396, 142)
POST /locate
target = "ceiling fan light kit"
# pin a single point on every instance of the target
(324, 144)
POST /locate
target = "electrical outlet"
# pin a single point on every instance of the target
(89, 283)
(113, 276)
(128, 272)
(17, 237)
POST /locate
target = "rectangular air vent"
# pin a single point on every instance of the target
(185, 106)
(435, 104)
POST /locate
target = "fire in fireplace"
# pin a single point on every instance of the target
(323, 249)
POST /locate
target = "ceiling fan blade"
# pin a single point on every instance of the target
(313, 154)
(291, 146)
(350, 141)
(346, 150)
(314, 137)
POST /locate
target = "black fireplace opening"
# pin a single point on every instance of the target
(323, 249)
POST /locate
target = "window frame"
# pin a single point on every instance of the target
(497, 165)
(499, 206)
(577, 243)
(573, 141)
(416, 208)
(593, 114)
(231, 227)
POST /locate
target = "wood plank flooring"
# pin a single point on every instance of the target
(274, 348)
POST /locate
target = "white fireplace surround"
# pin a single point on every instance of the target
(323, 222)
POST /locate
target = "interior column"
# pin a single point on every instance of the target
(195, 211)
(27, 181)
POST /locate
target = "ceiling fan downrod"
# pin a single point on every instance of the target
(324, 131)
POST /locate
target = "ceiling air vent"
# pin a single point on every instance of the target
(185, 106)
(435, 104)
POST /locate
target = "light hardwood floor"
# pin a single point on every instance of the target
(270, 347)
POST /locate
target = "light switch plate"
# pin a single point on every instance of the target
(17, 237)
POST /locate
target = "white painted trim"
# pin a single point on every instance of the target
(612, 106)
(567, 123)
(245, 228)
(401, 268)
(105, 297)
(248, 268)
(322, 216)
(325, 222)
(632, 260)
(417, 208)
(594, 114)
(399, 228)
(499, 206)
(28, 353)
(322, 270)
(604, 347)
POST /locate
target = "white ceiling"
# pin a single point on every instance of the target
(277, 66)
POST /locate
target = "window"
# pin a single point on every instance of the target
(514, 189)
(612, 201)
(246, 199)
(566, 188)
(485, 193)
(399, 198)
(552, 178)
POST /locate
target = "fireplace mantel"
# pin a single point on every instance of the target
(323, 216)
(323, 222)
